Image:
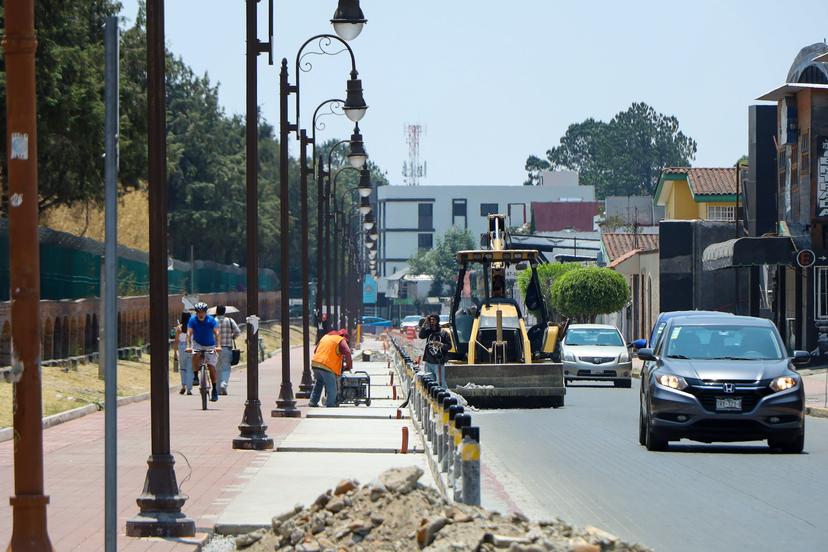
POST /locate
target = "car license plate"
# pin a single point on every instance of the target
(729, 403)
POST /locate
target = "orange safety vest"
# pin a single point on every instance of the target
(328, 355)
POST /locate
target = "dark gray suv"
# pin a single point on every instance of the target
(721, 378)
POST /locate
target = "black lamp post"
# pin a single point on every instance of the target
(348, 19)
(252, 429)
(354, 109)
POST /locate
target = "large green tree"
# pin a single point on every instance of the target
(70, 110)
(622, 157)
(548, 273)
(441, 262)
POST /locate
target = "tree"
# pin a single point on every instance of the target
(585, 293)
(70, 109)
(622, 157)
(548, 273)
(441, 262)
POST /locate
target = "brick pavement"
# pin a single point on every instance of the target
(74, 456)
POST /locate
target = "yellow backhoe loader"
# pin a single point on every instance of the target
(495, 361)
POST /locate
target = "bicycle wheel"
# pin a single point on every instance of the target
(202, 387)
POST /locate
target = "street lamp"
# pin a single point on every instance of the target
(348, 19)
(357, 157)
(368, 221)
(365, 187)
(365, 205)
(354, 107)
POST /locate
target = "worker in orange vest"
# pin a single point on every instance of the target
(327, 359)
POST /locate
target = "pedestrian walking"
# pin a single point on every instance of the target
(323, 326)
(327, 361)
(437, 345)
(228, 332)
(185, 361)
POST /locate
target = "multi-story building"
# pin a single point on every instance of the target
(412, 218)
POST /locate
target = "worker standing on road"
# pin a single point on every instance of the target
(185, 361)
(323, 326)
(327, 366)
(436, 347)
(228, 332)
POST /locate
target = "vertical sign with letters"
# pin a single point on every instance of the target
(821, 210)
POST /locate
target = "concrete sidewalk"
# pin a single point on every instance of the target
(329, 445)
(232, 488)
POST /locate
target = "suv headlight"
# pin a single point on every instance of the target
(783, 383)
(672, 381)
(624, 357)
(569, 357)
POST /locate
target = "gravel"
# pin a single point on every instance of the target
(395, 513)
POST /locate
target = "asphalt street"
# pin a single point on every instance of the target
(583, 463)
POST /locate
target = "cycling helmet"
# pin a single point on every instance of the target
(201, 306)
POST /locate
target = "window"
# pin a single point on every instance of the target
(517, 214)
(458, 213)
(425, 216)
(487, 209)
(425, 241)
(821, 292)
(721, 212)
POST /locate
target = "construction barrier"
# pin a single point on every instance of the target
(450, 441)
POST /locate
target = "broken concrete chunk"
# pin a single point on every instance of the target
(296, 536)
(427, 531)
(401, 480)
(249, 539)
(322, 499)
(310, 546)
(346, 486)
(337, 504)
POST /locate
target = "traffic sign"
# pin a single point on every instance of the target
(805, 258)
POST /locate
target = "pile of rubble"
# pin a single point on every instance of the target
(396, 513)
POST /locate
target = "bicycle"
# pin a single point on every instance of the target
(204, 376)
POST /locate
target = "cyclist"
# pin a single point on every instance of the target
(203, 339)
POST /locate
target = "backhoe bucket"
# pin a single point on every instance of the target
(508, 385)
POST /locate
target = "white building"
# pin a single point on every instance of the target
(411, 218)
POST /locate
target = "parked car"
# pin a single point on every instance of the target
(721, 378)
(413, 320)
(596, 352)
(445, 321)
(375, 322)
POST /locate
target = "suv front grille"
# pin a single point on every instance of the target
(707, 392)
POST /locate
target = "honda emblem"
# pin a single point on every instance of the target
(728, 387)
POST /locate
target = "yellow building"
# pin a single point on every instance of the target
(697, 193)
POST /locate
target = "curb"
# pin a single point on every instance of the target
(7, 433)
(236, 529)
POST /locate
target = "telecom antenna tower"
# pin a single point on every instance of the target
(413, 170)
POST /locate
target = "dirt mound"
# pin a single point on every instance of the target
(396, 513)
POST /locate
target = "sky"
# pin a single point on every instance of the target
(493, 82)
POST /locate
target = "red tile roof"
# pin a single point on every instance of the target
(551, 216)
(617, 244)
(708, 181)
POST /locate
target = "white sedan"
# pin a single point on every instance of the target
(596, 352)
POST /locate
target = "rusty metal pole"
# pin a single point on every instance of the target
(160, 502)
(306, 386)
(252, 430)
(29, 502)
(285, 404)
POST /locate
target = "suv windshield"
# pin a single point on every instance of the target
(595, 336)
(723, 342)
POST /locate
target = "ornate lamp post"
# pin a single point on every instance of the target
(354, 108)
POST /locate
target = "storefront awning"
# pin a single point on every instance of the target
(767, 250)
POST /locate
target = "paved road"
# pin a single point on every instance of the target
(583, 463)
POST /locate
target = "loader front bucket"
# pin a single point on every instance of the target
(508, 385)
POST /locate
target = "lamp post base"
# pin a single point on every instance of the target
(304, 390)
(160, 503)
(160, 524)
(252, 434)
(286, 404)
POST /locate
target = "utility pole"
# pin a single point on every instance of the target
(160, 502)
(110, 288)
(29, 532)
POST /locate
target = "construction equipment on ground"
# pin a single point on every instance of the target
(495, 361)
